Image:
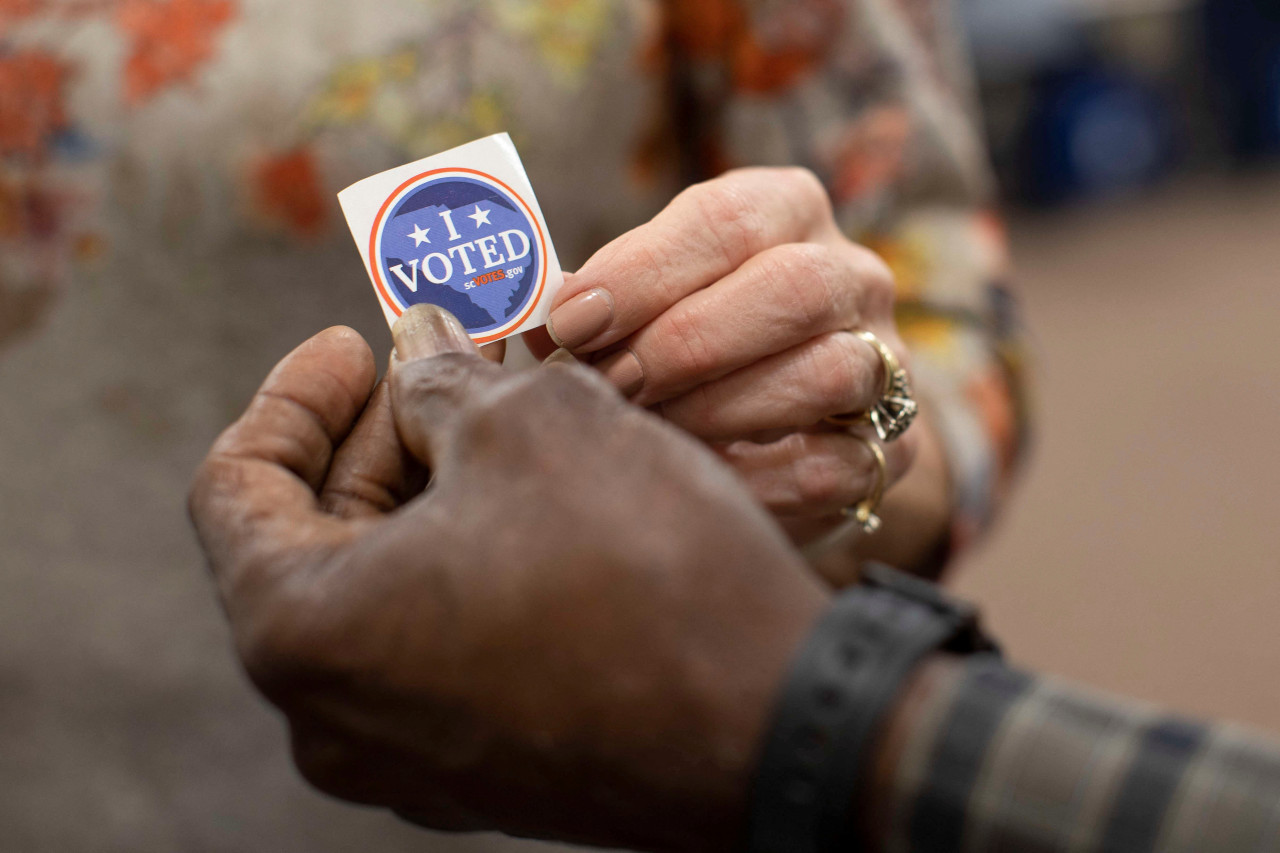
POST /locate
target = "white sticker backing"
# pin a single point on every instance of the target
(461, 230)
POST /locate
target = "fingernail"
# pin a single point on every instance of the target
(560, 356)
(425, 330)
(624, 371)
(581, 319)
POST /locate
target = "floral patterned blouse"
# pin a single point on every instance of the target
(180, 129)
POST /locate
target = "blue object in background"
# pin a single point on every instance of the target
(1014, 38)
(1242, 47)
(1093, 132)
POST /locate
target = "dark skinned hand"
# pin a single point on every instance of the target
(576, 632)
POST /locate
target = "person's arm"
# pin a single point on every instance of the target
(582, 628)
(574, 632)
(981, 757)
(872, 96)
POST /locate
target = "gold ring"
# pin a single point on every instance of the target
(864, 511)
(894, 412)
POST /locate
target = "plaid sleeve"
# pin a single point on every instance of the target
(1001, 760)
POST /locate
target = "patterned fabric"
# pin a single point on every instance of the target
(209, 136)
(1003, 761)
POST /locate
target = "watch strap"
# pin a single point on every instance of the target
(844, 679)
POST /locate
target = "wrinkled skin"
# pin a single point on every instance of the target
(516, 647)
(738, 303)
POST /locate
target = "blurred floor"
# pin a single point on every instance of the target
(1143, 551)
(1140, 554)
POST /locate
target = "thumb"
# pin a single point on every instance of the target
(435, 368)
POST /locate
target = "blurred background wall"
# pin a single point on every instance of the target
(1135, 141)
(1136, 144)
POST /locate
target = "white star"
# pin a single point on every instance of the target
(419, 235)
(480, 216)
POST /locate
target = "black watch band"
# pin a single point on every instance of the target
(844, 679)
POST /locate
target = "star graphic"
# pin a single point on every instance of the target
(419, 235)
(480, 216)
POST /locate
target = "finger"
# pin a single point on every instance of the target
(816, 473)
(255, 494)
(372, 474)
(832, 374)
(435, 370)
(539, 343)
(777, 300)
(707, 232)
(425, 331)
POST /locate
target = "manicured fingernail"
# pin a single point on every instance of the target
(581, 319)
(560, 356)
(624, 371)
(424, 331)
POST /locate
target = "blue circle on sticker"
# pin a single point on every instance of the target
(465, 241)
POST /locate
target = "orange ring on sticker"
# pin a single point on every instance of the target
(375, 255)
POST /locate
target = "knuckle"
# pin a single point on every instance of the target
(488, 411)
(804, 258)
(690, 354)
(805, 279)
(836, 381)
(645, 256)
(441, 388)
(568, 385)
(874, 265)
(509, 413)
(806, 188)
(351, 496)
(860, 369)
(874, 275)
(532, 391)
(732, 216)
(448, 376)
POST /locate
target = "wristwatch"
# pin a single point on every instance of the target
(843, 681)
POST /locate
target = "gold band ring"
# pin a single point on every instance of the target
(864, 511)
(894, 412)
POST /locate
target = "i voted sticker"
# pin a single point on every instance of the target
(461, 230)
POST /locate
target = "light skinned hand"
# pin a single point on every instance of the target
(731, 314)
(575, 632)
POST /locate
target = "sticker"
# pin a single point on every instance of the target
(461, 230)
